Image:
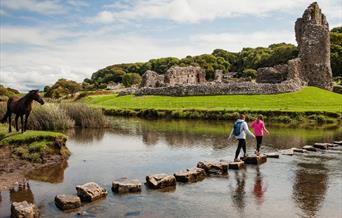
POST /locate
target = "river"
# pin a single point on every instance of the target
(303, 185)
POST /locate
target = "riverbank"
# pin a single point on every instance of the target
(22, 153)
(308, 106)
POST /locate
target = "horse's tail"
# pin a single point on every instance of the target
(4, 119)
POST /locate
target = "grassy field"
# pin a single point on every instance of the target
(308, 99)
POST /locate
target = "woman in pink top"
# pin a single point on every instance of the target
(259, 127)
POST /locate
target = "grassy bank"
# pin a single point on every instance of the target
(59, 116)
(308, 105)
(34, 146)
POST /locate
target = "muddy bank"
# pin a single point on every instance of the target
(28, 155)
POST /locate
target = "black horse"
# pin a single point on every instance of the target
(20, 107)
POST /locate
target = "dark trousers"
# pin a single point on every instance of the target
(242, 144)
(259, 141)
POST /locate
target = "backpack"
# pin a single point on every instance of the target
(237, 128)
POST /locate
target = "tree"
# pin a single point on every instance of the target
(62, 87)
(336, 51)
(130, 79)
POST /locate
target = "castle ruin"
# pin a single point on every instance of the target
(311, 67)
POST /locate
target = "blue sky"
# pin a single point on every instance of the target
(42, 41)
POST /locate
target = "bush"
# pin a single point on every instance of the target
(248, 73)
(130, 79)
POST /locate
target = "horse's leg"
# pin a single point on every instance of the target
(9, 122)
(22, 123)
(16, 122)
(26, 118)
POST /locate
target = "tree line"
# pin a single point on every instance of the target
(244, 63)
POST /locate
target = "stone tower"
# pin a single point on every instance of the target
(312, 35)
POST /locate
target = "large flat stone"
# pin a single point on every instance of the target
(287, 152)
(160, 181)
(298, 150)
(338, 142)
(214, 168)
(90, 192)
(191, 175)
(272, 155)
(24, 210)
(323, 146)
(255, 160)
(126, 186)
(67, 202)
(236, 165)
(309, 148)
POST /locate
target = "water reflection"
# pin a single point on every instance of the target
(259, 187)
(310, 186)
(187, 133)
(84, 135)
(238, 193)
(22, 193)
(53, 173)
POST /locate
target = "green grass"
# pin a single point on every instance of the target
(29, 137)
(308, 99)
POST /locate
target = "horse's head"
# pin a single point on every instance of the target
(34, 94)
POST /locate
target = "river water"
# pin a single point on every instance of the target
(303, 185)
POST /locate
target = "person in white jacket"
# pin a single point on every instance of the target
(239, 132)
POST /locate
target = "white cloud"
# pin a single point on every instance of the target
(237, 41)
(43, 7)
(192, 11)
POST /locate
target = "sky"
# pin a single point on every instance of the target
(43, 41)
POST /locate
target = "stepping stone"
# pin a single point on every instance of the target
(214, 168)
(309, 148)
(323, 146)
(90, 192)
(298, 150)
(126, 186)
(160, 181)
(256, 160)
(338, 142)
(272, 155)
(287, 152)
(67, 202)
(191, 175)
(236, 165)
(24, 210)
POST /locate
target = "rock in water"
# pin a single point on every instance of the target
(323, 146)
(215, 168)
(256, 160)
(236, 165)
(298, 150)
(312, 35)
(338, 142)
(160, 181)
(24, 210)
(67, 202)
(90, 192)
(126, 186)
(191, 175)
(272, 155)
(309, 148)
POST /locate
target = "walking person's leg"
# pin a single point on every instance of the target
(243, 145)
(237, 152)
(259, 141)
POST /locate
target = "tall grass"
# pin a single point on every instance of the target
(84, 116)
(60, 116)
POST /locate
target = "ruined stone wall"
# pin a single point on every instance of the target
(224, 89)
(184, 76)
(312, 35)
(151, 79)
(276, 74)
